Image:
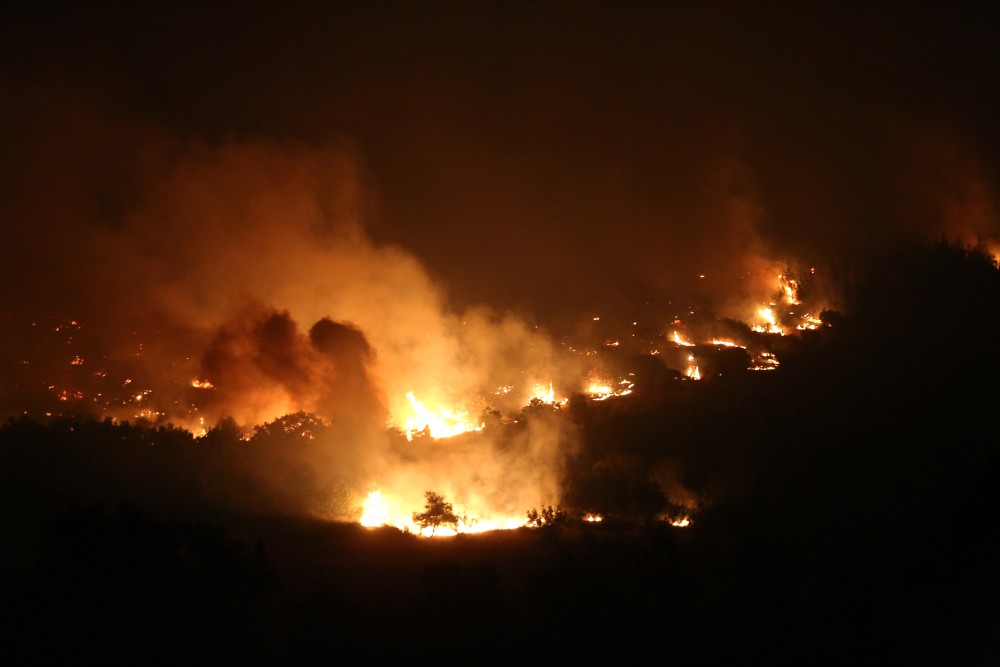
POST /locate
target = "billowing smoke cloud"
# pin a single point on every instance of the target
(206, 281)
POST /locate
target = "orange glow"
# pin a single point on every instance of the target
(442, 422)
(770, 324)
(809, 322)
(789, 290)
(677, 338)
(600, 389)
(765, 361)
(539, 392)
(380, 509)
(376, 511)
(692, 370)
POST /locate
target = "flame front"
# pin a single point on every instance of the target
(376, 511)
(380, 510)
(442, 423)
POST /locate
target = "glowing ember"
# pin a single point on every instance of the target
(441, 423)
(789, 290)
(380, 510)
(809, 322)
(765, 361)
(601, 390)
(770, 324)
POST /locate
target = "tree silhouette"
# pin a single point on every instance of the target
(551, 517)
(436, 513)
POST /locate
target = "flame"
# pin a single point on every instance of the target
(765, 361)
(692, 370)
(593, 518)
(680, 340)
(809, 322)
(376, 511)
(726, 343)
(539, 392)
(789, 290)
(770, 322)
(380, 510)
(202, 384)
(441, 423)
(683, 522)
(601, 390)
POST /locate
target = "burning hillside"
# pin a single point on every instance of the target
(467, 433)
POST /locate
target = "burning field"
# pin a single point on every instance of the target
(499, 328)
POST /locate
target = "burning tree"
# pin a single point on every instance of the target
(549, 517)
(436, 513)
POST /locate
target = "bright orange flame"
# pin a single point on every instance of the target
(440, 423)
(789, 290)
(380, 510)
(692, 371)
(601, 390)
(770, 322)
(765, 361)
(546, 395)
(677, 338)
(376, 511)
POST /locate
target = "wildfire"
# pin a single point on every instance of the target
(440, 423)
(789, 290)
(765, 361)
(809, 322)
(202, 384)
(546, 395)
(770, 324)
(677, 338)
(378, 511)
(601, 390)
(692, 370)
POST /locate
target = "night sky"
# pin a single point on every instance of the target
(555, 158)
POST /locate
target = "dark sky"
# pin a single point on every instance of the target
(561, 156)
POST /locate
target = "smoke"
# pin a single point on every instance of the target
(234, 279)
(248, 261)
